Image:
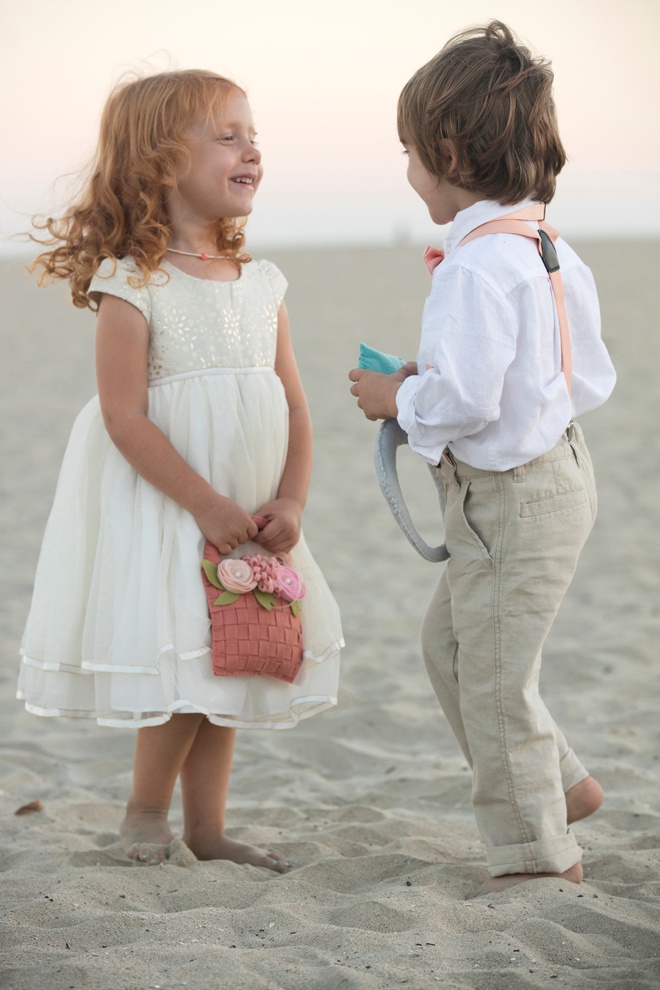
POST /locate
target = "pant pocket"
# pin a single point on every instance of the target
(556, 502)
(469, 522)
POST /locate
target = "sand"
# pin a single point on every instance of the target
(371, 800)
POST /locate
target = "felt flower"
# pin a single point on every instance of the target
(289, 584)
(264, 570)
(236, 576)
(273, 583)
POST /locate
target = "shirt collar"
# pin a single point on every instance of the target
(473, 216)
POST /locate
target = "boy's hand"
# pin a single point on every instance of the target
(281, 531)
(376, 393)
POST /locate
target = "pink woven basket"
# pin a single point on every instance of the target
(248, 640)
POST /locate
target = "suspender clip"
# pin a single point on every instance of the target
(548, 253)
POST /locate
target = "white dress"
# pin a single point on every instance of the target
(119, 628)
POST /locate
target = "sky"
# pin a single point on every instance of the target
(323, 80)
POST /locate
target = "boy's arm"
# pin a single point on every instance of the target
(469, 339)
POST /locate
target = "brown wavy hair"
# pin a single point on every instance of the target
(488, 101)
(121, 207)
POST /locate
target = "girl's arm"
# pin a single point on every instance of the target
(282, 531)
(122, 343)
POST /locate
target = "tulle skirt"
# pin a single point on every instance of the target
(119, 628)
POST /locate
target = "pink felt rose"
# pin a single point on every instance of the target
(236, 576)
(289, 584)
(264, 570)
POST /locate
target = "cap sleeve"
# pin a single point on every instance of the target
(118, 278)
(277, 280)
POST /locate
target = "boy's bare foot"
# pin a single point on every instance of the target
(495, 884)
(583, 799)
(146, 836)
(221, 847)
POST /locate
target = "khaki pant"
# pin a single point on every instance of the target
(514, 538)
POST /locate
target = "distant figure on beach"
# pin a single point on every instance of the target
(200, 432)
(510, 353)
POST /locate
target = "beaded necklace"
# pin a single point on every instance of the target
(204, 256)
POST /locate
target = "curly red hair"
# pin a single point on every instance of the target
(121, 207)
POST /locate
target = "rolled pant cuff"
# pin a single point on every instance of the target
(572, 771)
(543, 856)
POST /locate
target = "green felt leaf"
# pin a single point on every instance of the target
(211, 571)
(265, 599)
(295, 608)
(226, 598)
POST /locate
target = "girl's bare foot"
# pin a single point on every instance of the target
(221, 847)
(583, 799)
(146, 835)
(495, 884)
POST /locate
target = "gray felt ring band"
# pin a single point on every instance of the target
(390, 437)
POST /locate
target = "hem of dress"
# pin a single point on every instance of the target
(321, 704)
(91, 667)
(330, 651)
(87, 666)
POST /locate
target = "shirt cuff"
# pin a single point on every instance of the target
(407, 420)
(405, 402)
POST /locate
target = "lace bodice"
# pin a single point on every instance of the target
(196, 323)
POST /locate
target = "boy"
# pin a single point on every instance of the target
(503, 367)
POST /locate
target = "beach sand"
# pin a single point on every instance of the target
(372, 800)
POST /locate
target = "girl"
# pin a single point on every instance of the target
(200, 431)
(490, 403)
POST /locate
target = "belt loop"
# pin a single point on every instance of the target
(518, 474)
(449, 464)
(572, 441)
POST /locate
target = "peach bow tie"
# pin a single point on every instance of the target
(433, 257)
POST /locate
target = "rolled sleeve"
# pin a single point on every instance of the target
(423, 438)
(466, 360)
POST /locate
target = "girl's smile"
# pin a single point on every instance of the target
(223, 172)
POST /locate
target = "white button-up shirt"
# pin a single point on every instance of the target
(493, 390)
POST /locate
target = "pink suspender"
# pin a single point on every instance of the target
(546, 237)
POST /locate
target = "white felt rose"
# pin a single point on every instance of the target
(236, 576)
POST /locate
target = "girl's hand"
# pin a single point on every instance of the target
(376, 393)
(225, 524)
(282, 529)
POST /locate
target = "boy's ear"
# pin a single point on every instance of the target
(451, 157)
